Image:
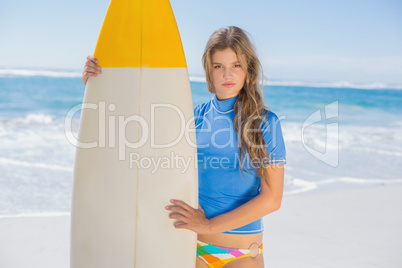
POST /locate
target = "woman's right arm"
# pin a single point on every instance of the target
(91, 69)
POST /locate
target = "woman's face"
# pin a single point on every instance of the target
(227, 75)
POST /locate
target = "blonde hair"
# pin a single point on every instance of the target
(249, 106)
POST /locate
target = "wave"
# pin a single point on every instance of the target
(31, 121)
(7, 161)
(19, 72)
(31, 215)
(336, 84)
(201, 79)
(352, 180)
(36, 118)
(295, 185)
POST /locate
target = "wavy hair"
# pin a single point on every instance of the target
(249, 107)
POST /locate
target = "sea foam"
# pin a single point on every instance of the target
(202, 79)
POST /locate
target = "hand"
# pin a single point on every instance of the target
(91, 69)
(192, 219)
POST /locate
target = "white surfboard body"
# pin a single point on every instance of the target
(136, 150)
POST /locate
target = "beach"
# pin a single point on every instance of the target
(342, 204)
(350, 228)
(339, 228)
(330, 72)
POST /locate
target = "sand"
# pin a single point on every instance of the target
(360, 227)
(343, 228)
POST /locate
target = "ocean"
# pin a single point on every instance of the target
(337, 135)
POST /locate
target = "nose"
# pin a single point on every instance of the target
(227, 72)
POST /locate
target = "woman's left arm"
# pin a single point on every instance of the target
(268, 201)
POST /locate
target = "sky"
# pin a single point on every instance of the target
(311, 40)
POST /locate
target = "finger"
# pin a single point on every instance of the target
(88, 74)
(179, 210)
(91, 69)
(93, 59)
(182, 204)
(181, 226)
(179, 217)
(90, 64)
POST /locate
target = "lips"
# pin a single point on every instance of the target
(228, 84)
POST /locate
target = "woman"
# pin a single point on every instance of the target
(241, 156)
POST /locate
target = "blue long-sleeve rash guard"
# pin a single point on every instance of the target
(222, 187)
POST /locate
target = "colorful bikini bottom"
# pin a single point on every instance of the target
(217, 257)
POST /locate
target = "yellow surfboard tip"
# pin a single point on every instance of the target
(140, 33)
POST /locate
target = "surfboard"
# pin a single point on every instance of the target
(136, 146)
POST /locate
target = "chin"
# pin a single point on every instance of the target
(228, 94)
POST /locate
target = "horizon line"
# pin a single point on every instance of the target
(58, 73)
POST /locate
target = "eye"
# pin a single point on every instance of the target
(237, 66)
(217, 66)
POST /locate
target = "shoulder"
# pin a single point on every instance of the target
(273, 137)
(270, 119)
(202, 108)
(200, 111)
